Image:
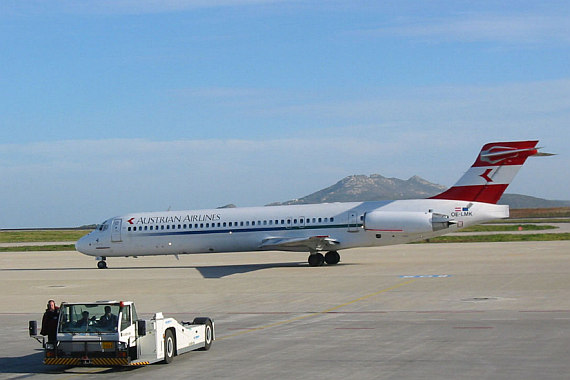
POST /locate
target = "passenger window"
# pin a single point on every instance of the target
(145, 228)
(253, 222)
(265, 222)
(332, 220)
(320, 220)
(207, 225)
(128, 229)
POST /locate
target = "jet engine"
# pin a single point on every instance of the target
(405, 221)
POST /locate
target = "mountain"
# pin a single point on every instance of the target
(377, 188)
(370, 188)
(516, 201)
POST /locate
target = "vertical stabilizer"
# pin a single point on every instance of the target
(495, 167)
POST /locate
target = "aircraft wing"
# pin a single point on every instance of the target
(312, 243)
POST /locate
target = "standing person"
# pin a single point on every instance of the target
(49, 321)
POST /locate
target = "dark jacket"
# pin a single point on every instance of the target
(49, 323)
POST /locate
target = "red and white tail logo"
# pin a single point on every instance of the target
(495, 167)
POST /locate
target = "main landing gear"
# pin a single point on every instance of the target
(317, 259)
(102, 264)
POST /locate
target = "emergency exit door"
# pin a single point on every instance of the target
(116, 230)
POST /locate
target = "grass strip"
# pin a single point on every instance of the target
(498, 238)
(493, 228)
(538, 220)
(36, 248)
(41, 236)
(441, 239)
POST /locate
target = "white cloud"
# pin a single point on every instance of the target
(121, 6)
(78, 182)
(433, 132)
(475, 27)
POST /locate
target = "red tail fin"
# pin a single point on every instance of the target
(494, 169)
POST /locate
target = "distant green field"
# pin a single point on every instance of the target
(73, 235)
(41, 236)
(538, 220)
(498, 238)
(34, 248)
(510, 227)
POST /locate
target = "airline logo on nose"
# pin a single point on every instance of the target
(131, 221)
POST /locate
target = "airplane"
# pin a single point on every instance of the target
(316, 228)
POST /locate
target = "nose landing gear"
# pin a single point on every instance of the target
(102, 264)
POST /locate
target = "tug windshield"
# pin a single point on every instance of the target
(89, 318)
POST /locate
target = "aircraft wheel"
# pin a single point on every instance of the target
(316, 260)
(332, 257)
(102, 264)
(168, 347)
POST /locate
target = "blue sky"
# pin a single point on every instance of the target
(108, 107)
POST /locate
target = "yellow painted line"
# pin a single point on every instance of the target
(318, 312)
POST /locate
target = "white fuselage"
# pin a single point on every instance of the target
(347, 225)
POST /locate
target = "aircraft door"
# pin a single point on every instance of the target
(352, 224)
(116, 230)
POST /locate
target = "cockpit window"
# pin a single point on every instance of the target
(103, 226)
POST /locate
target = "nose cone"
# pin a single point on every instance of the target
(82, 245)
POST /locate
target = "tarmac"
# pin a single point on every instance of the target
(416, 311)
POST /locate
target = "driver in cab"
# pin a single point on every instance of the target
(84, 321)
(108, 320)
